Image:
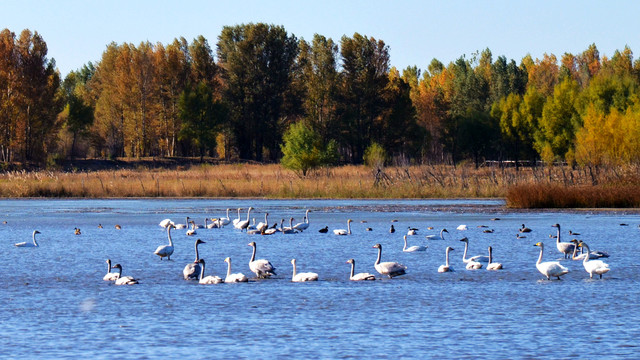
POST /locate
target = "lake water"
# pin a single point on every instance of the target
(56, 305)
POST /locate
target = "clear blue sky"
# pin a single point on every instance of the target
(77, 32)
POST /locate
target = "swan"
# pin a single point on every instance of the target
(233, 278)
(493, 265)
(192, 270)
(207, 280)
(303, 225)
(110, 276)
(262, 268)
(166, 250)
(564, 247)
(324, 230)
(192, 231)
(242, 225)
(594, 254)
(412, 248)
(359, 276)
(473, 265)
(301, 277)
(269, 231)
(34, 243)
(411, 231)
(392, 229)
(597, 267)
(389, 268)
(435, 237)
(124, 280)
(462, 227)
(263, 225)
(549, 268)
(182, 226)
(289, 229)
(446, 267)
(164, 223)
(477, 258)
(343, 231)
(524, 229)
(236, 221)
(224, 221)
(213, 225)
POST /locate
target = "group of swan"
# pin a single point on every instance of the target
(117, 276)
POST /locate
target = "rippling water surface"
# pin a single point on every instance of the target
(55, 303)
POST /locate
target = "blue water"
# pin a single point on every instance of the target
(56, 305)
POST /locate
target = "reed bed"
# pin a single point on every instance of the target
(524, 188)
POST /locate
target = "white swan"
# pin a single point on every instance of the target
(164, 223)
(301, 277)
(233, 278)
(343, 231)
(192, 231)
(236, 221)
(182, 226)
(549, 268)
(263, 225)
(473, 265)
(34, 243)
(435, 237)
(110, 276)
(593, 254)
(213, 225)
(359, 276)
(166, 250)
(389, 268)
(124, 280)
(477, 258)
(462, 227)
(289, 229)
(493, 265)
(192, 270)
(303, 225)
(446, 267)
(597, 267)
(411, 231)
(262, 268)
(564, 247)
(207, 280)
(224, 221)
(412, 248)
(242, 225)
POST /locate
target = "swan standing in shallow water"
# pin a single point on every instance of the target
(564, 247)
(412, 248)
(303, 225)
(359, 276)
(243, 225)
(549, 268)
(435, 237)
(477, 258)
(166, 250)
(446, 267)
(192, 270)
(236, 221)
(389, 268)
(225, 220)
(262, 268)
(110, 276)
(492, 265)
(343, 231)
(207, 280)
(124, 280)
(301, 277)
(594, 254)
(233, 278)
(597, 267)
(34, 243)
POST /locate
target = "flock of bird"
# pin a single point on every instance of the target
(263, 268)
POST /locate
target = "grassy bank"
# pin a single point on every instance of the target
(526, 188)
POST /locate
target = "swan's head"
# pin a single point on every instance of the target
(575, 241)
(377, 246)
(36, 232)
(200, 242)
(464, 239)
(253, 243)
(171, 226)
(349, 220)
(117, 266)
(538, 244)
(445, 230)
(350, 261)
(293, 261)
(108, 261)
(556, 226)
(405, 237)
(580, 244)
(490, 249)
(228, 259)
(201, 261)
(449, 248)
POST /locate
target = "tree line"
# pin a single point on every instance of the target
(265, 95)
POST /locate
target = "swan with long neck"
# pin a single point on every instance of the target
(182, 226)
(593, 254)
(301, 277)
(236, 221)
(289, 229)
(191, 271)
(242, 225)
(597, 267)
(33, 242)
(477, 258)
(124, 280)
(225, 220)
(110, 276)
(549, 268)
(207, 280)
(359, 276)
(262, 268)
(192, 231)
(166, 250)
(343, 231)
(564, 247)
(389, 268)
(446, 267)
(233, 278)
(303, 225)
(436, 237)
(493, 265)
(263, 225)
(413, 248)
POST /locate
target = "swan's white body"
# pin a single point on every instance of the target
(33, 242)
(446, 267)
(411, 231)
(215, 223)
(192, 270)
(473, 265)
(236, 221)
(462, 227)
(207, 280)
(110, 276)
(564, 247)
(493, 265)
(413, 248)
(597, 267)
(233, 278)
(166, 222)
(263, 225)
(301, 277)
(359, 276)
(389, 268)
(303, 225)
(343, 231)
(262, 268)
(166, 250)
(225, 220)
(242, 225)
(192, 231)
(124, 280)
(477, 258)
(182, 226)
(549, 268)
(436, 237)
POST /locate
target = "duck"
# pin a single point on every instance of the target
(34, 243)
(118, 227)
(392, 229)
(524, 229)
(302, 277)
(324, 230)
(597, 267)
(446, 267)
(413, 248)
(389, 268)
(359, 276)
(77, 231)
(549, 268)
(207, 280)
(124, 280)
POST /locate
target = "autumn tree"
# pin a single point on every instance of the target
(304, 149)
(201, 117)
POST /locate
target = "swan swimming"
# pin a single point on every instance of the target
(34, 243)
(124, 280)
(343, 231)
(413, 248)
(389, 268)
(110, 276)
(493, 265)
(301, 277)
(359, 276)
(166, 250)
(436, 237)
(191, 271)
(262, 268)
(207, 280)
(233, 278)
(446, 267)
(564, 247)
(477, 258)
